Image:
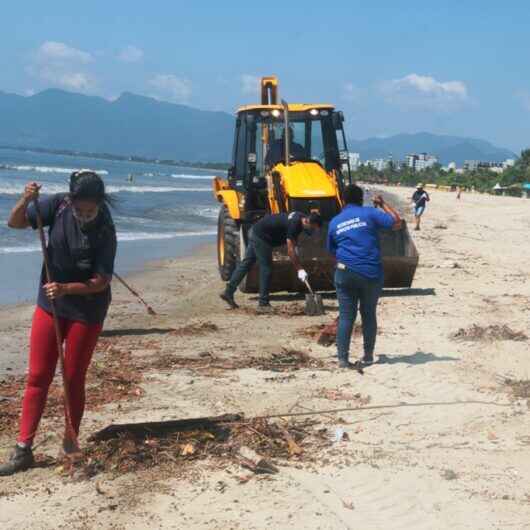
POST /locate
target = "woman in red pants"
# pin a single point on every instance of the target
(81, 248)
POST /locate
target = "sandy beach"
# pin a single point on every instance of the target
(436, 435)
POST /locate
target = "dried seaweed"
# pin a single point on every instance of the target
(283, 361)
(271, 440)
(487, 333)
(200, 328)
(520, 387)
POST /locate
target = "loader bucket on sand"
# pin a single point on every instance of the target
(399, 254)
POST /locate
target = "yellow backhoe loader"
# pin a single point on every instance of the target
(293, 157)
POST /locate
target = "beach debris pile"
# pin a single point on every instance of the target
(11, 391)
(116, 374)
(256, 444)
(9, 404)
(487, 333)
(198, 328)
(326, 334)
(291, 310)
(113, 376)
(520, 388)
(283, 361)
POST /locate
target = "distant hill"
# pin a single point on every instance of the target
(447, 148)
(130, 125)
(145, 127)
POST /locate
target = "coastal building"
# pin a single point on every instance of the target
(380, 164)
(355, 160)
(496, 167)
(418, 162)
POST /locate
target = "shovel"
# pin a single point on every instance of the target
(313, 303)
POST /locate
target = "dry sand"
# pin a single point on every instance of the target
(451, 450)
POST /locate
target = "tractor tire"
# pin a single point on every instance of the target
(227, 244)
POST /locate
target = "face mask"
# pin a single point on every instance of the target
(85, 221)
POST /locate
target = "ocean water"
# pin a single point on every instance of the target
(164, 212)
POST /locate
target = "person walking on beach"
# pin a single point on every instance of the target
(81, 249)
(354, 241)
(420, 200)
(269, 232)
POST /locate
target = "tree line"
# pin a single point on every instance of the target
(482, 179)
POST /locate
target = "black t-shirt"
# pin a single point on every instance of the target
(276, 229)
(76, 256)
(420, 198)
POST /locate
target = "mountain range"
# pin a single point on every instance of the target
(446, 148)
(142, 126)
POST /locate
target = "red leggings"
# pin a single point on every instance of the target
(80, 340)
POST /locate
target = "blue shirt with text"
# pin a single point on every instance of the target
(354, 240)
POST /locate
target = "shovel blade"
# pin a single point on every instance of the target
(313, 305)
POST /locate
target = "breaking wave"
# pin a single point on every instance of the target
(193, 177)
(16, 189)
(49, 169)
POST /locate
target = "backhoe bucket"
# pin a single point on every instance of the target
(399, 254)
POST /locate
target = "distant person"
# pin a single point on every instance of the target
(268, 233)
(81, 248)
(458, 192)
(354, 241)
(420, 200)
(276, 153)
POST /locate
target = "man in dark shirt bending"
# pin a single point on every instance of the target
(270, 232)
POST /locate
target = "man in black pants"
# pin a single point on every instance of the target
(271, 231)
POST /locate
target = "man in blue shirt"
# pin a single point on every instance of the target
(354, 241)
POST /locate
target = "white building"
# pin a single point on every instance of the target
(495, 167)
(420, 161)
(380, 164)
(355, 160)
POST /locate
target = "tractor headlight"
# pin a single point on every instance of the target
(313, 112)
(276, 113)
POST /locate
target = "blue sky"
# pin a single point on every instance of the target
(450, 67)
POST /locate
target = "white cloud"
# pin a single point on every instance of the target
(416, 90)
(171, 87)
(250, 85)
(58, 64)
(61, 52)
(131, 54)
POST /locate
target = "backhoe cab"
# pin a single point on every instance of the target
(289, 157)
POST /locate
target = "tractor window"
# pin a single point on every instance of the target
(241, 152)
(313, 138)
(317, 143)
(299, 138)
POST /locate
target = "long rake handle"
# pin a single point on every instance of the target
(70, 434)
(150, 310)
